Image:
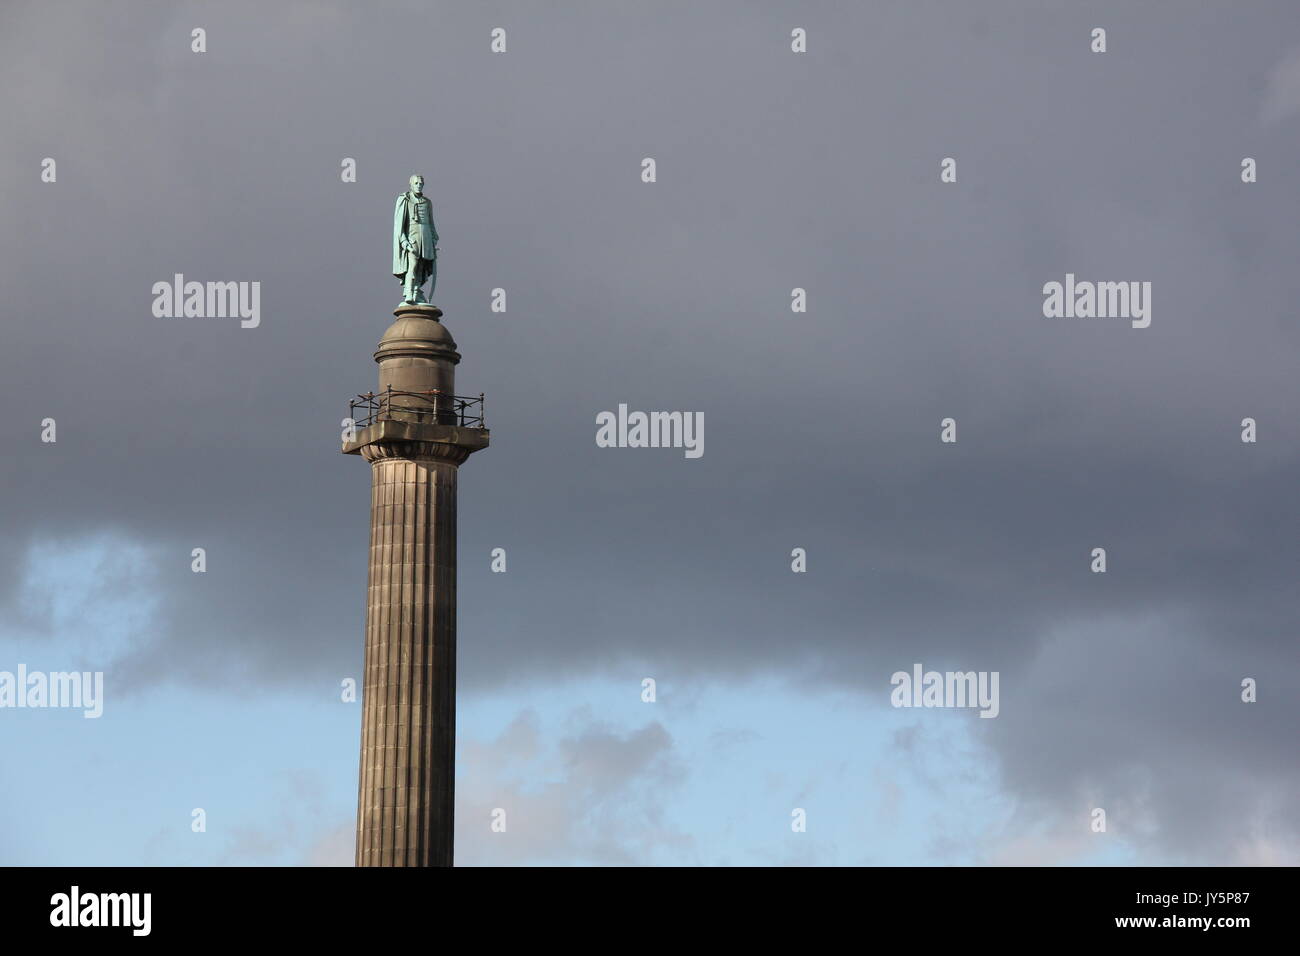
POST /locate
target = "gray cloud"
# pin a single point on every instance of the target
(593, 796)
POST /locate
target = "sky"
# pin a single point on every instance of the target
(774, 171)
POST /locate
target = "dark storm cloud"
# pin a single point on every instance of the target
(775, 171)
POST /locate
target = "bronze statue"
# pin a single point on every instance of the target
(415, 243)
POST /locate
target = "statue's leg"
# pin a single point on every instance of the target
(433, 275)
(412, 283)
(420, 271)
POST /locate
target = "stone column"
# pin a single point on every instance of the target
(406, 798)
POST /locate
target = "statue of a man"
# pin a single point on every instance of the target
(415, 242)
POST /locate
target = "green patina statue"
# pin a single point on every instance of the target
(415, 243)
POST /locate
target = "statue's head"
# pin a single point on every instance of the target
(417, 184)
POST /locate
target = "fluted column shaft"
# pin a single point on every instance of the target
(406, 803)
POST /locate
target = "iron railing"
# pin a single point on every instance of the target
(432, 407)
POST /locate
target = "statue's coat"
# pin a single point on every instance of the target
(425, 238)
